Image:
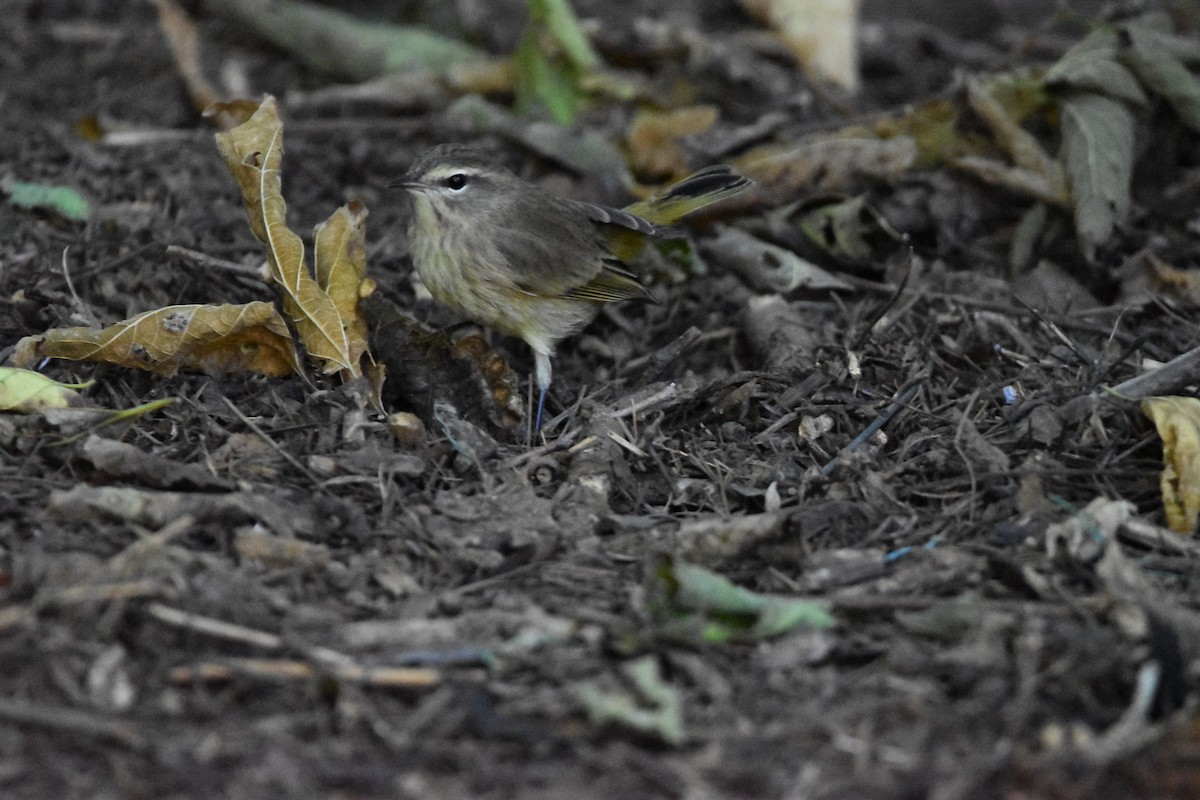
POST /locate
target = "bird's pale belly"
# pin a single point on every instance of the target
(474, 287)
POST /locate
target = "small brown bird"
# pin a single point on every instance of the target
(510, 255)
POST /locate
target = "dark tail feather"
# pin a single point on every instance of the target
(718, 179)
(703, 188)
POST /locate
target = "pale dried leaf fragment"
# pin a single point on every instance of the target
(821, 34)
(212, 339)
(253, 152)
(25, 391)
(1178, 423)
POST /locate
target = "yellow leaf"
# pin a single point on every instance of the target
(254, 153)
(340, 261)
(1178, 423)
(214, 339)
(24, 391)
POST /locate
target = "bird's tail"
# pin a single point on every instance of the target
(703, 188)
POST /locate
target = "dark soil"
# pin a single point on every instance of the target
(257, 592)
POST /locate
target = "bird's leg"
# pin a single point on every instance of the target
(542, 360)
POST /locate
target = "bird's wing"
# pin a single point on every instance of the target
(614, 216)
(554, 250)
(612, 284)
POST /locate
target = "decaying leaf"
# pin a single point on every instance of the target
(1034, 172)
(184, 40)
(1092, 66)
(26, 391)
(828, 163)
(214, 339)
(846, 228)
(765, 266)
(1098, 149)
(1149, 55)
(821, 34)
(654, 136)
(340, 262)
(1147, 277)
(254, 153)
(1178, 423)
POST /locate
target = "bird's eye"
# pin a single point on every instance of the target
(456, 182)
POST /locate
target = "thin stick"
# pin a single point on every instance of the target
(883, 419)
(72, 720)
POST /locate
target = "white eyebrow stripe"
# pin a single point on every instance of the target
(438, 173)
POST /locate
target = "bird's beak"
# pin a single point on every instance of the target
(408, 186)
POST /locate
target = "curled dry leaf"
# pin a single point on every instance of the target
(253, 152)
(214, 339)
(1178, 423)
(340, 261)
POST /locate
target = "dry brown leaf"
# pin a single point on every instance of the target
(1166, 279)
(1178, 423)
(213, 339)
(1034, 172)
(184, 40)
(254, 153)
(830, 163)
(340, 261)
(653, 139)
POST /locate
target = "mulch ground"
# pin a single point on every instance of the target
(257, 592)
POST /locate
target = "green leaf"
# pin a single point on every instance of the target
(656, 709)
(1098, 149)
(694, 606)
(542, 82)
(551, 61)
(61, 199)
(1165, 75)
(563, 26)
(1092, 65)
(337, 43)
